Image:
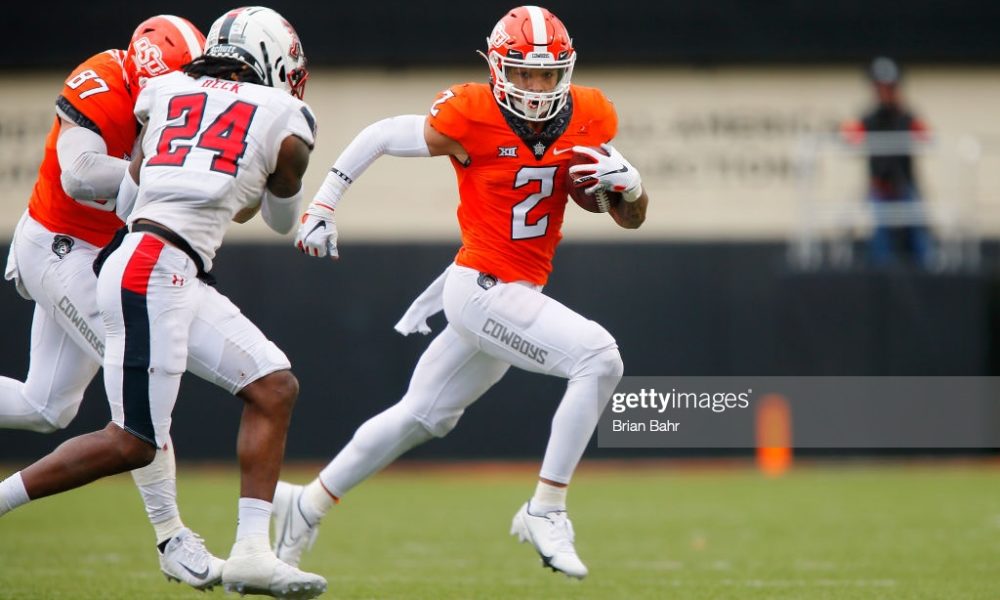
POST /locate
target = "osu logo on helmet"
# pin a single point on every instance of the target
(159, 45)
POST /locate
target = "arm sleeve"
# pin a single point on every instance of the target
(280, 214)
(88, 173)
(395, 136)
(144, 103)
(128, 191)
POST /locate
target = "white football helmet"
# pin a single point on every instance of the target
(526, 39)
(265, 42)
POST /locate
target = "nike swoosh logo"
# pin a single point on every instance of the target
(624, 169)
(321, 224)
(289, 530)
(561, 151)
(198, 574)
(290, 538)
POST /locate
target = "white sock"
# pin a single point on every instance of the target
(157, 483)
(12, 493)
(315, 501)
(547, 498)
(254, 518)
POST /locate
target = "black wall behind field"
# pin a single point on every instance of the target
(676, 309)
(403, 32)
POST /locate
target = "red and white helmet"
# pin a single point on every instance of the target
(534, 38)
(264, 41)
(161, 44)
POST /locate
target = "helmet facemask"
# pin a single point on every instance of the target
(535, 90)
(531, 57)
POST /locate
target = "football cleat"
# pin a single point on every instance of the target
(253, 568)
(293, 533)
(186, 559)
(552, 536)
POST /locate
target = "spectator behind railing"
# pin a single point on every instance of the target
(891, 177)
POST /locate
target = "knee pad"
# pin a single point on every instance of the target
(443, 423)
(41, 422)
(608, 363)
(602, 358)
(34, 422)
(436, 422)
(396, 428)
(64, 418)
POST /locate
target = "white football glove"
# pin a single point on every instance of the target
(611, 172)
(317, 234)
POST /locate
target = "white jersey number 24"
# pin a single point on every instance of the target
(225, 136)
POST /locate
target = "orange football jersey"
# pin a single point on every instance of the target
(513, 192)
(94, 96)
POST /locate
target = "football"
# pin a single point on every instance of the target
(600, 201)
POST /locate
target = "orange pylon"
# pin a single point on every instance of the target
(774, 435)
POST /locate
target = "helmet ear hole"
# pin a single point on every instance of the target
(281, 74)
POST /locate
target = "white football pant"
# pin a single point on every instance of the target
(150, 299)
(490, 328)
(68, 338)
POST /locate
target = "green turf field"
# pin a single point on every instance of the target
(834, 531)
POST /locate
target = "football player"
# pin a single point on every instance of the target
(223, 138)
(510, 143)
(55, 244)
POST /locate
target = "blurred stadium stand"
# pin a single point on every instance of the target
(401, 32)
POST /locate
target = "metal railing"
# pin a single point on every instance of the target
(828, 226)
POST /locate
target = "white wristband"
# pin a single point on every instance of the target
(633, 194)
(333, 187)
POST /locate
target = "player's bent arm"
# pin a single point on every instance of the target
(405, 135)
(396, 136)
(128, 189)
(630, 215)
(441, 145)
(88, 173)
(280, 204)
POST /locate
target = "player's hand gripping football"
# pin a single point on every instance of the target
(610, 172)
(317, 233)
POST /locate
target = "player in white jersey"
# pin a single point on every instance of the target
(50, 261)
(225, 138)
